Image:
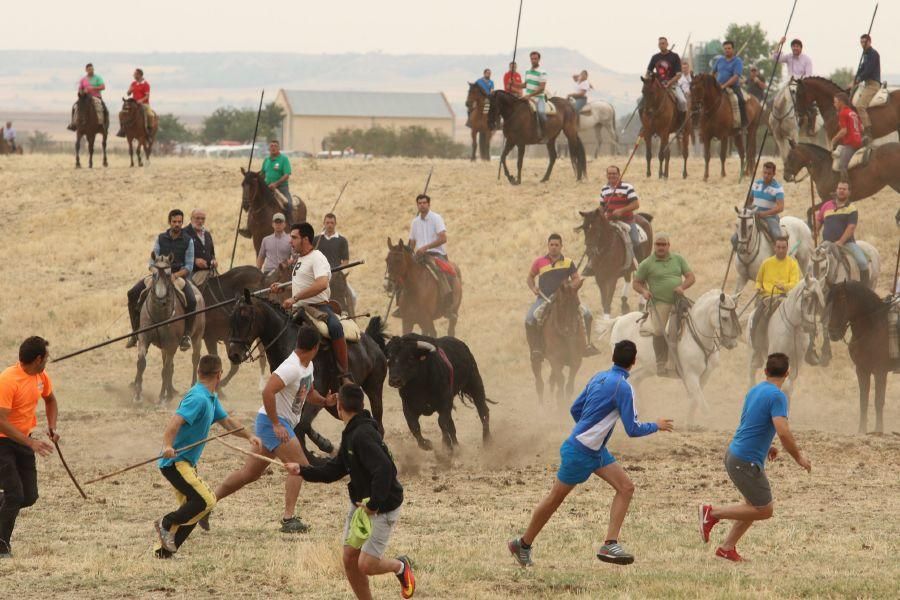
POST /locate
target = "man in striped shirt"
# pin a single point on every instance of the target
(535, 86)
(607, 398)
(619, 200)
(768, 202)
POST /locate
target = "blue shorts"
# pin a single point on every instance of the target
(576, 465)
(266, 432)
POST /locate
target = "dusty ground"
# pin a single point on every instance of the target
(74, 241)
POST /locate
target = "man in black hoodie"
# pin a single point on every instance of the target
(373, 479)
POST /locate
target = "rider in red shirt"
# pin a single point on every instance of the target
(512, 80)
(849, 137)
(139, 90)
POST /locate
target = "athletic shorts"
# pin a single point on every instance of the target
(576, 465)
(382, 527)
(750, 480)
(266, 432)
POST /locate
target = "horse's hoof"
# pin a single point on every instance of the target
(426, 445)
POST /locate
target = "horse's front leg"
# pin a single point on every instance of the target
(520, 152)
(880, 391)
(140, 162)
(90, 143)
(536, 364)
(77, 151)
(131, 150)
(167, 389)
(137, 385)
(103, 143)
(506, 148)
(863, 380)
(551, 152)
(723, 154)
(474, 144)
(648, 152)
(707, 154)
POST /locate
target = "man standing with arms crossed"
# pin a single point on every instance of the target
(764, 414)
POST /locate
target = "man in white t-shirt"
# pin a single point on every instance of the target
(428, 235)
(581, 96)
(288, 388)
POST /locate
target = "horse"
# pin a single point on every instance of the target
(520, 129)
(340, 292)
(783, 121)
(712, 323)
(753, 246)
(134, 123)
(791, 328)
(476, 101)
(882, 169)
(818, 92)
(161, 304)
(563, 336)
(660, 117)
(260, 203)
(88, 125)
(609, 257)
(852, 305)
(600, 119)
(418, 296)
(276, 330)
(713, 119)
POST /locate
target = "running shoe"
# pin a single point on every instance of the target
(519, 552)
(731, 555)
(406, 578)
(165, 536)
(707, 521)
(294, 525)
(615, 554)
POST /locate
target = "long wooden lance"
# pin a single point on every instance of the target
(515, 49)
(249, 164)
(66, 465)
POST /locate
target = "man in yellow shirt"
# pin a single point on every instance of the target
(777, 275)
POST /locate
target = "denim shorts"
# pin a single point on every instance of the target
(266, 432)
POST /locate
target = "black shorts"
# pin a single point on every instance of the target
(750, 480)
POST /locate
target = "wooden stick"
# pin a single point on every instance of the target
(66, 466)
(253, 454)
(157, 457)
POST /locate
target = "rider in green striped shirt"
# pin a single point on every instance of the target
(535, 86)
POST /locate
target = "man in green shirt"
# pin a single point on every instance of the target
(93, 85)
(660, 278)
(535, 86)
(276, 170)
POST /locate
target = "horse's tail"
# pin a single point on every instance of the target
(578, 157)
(375, 330)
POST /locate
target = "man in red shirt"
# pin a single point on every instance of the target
(848, 139)
(512, 80)
(139, 90)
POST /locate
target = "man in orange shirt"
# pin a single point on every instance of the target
(21, 385)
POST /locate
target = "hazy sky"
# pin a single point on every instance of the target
(619, 35)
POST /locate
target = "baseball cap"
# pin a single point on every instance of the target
(278, 217)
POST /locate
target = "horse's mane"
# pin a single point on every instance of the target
(826, 81)
(276, 306)
(480, 89)
(868, 299)
(815, 149)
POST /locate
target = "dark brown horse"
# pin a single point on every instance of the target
(89, 126)
(606, 252)
(419, 300)
(476, 101)
(520, 129)
(564, 341)
(853, 305)
(818, 92)
(660, 117)
(134, 123)
(261, 205)
(713, 118)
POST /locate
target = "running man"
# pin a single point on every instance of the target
(764, 414)
(607, 398)
(373, 488)
(21, 385)
(196, 413)
(288, 388)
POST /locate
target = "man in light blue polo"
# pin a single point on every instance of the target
(728, 70)
(768, 201)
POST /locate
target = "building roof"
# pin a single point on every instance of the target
(428, 105)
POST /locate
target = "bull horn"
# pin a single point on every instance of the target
(425, 346)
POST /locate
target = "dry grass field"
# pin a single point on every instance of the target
(74, 241)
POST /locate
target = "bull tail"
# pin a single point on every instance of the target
(375, 330)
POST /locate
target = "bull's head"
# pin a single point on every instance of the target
(405, 356)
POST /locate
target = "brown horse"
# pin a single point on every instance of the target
(713, 118)
(606, 252)
(818, 92)
(660, 117)
(476, 101)
(564, 343)
(851, 304)
(418, 297)
(88, 125)
(520, 129)
(134, 123)
(261, 205)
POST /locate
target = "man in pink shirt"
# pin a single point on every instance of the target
(94, 85)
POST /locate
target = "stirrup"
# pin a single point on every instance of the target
(185, 343)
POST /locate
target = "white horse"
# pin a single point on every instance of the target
(602, 121)
(753, 247)
(790, 328)
(783, 121)
(713, 323)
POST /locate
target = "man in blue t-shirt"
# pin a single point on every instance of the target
(764, 414)
(196, 413)
(728, 70)
(607, 398)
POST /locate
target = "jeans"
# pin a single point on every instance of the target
(18, 480)
(847, 153)
(858, 255)
(635, 234)
(579, 103)
(285, 190)
(335, 328)
(539, 301)
(541, 105)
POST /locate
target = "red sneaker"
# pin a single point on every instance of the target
(707, 521)
(731, 555)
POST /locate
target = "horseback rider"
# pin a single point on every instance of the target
(777, 276)
(839, 225)
(667, 67)
(535, 90)
(799, 65)
(684, 82)
(580, 97)
(139, 90)
(93, 85)
(336, 249)
(512, 80)
(175, 242)
(204, 248)
(660, 279)
(848, 139)
(619, 200)
(428, 235)
(9, 134)
(728, 70)
(546, 274)
(868, 77)
(756, 85)
(309, 288)
(485, 82)
(275, 247)
(768, 202)
(276, 169)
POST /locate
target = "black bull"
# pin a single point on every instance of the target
(429, 373)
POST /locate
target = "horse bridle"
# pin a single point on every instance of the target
(807, 325)
(170, 285)
(247, 356)
(745, 244)
(701, 105)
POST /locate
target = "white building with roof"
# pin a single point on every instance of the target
(311, 115)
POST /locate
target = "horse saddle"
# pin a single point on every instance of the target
(179, 290)
(842, 255)
(881, 97)
(763, 228)
(759, 322)
(549, 107)
(860, 158)
(735, 107)
(624, 231)
(319, 318)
